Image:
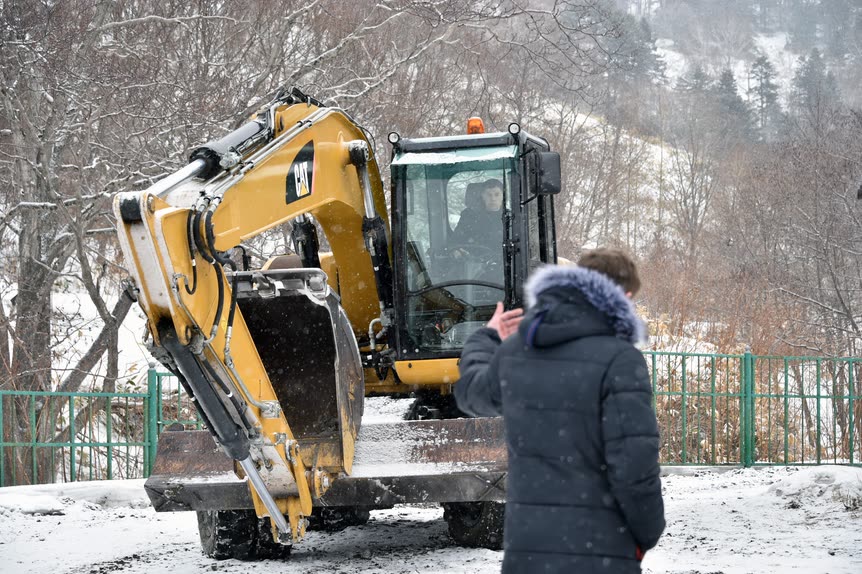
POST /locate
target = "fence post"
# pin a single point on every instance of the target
(72, 434)
(752, 410)
(817, 374)
(742, 407)
(3, 435)
(152, 421)
(746, 413)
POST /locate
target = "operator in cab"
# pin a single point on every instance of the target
(480, 227)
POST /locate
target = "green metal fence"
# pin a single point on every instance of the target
(712, 409)
(64, 437)
(174, 406)
(751, 410)
(720, 409)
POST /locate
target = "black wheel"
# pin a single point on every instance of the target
(337, 518)
(475, 524)
(433, 406)
(238, 534)
(267, 547)
(472, 524)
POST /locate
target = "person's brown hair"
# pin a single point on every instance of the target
(493, 182)
(614, 263)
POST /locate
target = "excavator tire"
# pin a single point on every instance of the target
(237, 534)
(337, 518)
(475, 524)
(471, 524)
(267, 548)
(433, 406)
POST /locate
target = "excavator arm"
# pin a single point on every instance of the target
(295, 159)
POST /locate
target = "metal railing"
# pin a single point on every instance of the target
(712, 409)
(50, 437)
(743, 410)
(748, 410)
(174, 406)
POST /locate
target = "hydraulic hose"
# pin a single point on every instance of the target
(191, 242)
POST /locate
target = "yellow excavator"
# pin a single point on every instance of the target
(278, 359)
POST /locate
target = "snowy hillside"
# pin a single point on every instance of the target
(773, 46)
(770, 521)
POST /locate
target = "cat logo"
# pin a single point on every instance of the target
(300, 177)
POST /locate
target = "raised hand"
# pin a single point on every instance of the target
(505, 322)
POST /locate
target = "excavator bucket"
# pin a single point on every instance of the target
(455, 460)
(310, 354)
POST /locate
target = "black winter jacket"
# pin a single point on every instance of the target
(479, 227)
(583, 489)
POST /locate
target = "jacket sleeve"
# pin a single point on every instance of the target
(477, 392)
(631, 446)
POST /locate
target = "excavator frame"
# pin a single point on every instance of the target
(277, 360)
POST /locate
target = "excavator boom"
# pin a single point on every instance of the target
(295, 160)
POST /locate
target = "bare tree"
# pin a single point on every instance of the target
(607, 179)
(692, 182)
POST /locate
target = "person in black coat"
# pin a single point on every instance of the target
(583, 487)
(481, 222)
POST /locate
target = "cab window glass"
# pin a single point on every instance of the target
(456, 213)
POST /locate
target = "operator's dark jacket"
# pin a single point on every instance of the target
(479, 227)
(583, 490)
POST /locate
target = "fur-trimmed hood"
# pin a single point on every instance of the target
(568, 302)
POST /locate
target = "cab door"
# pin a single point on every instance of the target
(537, 241)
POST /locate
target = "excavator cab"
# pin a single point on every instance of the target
(471, 217)
(455, 253)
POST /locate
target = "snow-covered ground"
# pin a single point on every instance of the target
(770, 520)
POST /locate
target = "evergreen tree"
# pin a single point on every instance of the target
(802, 27)
(855, 31)
(815, 92)
(734, 114)
(695, 80)
(651, 64)
(763, 94)
(694, 108)
(636, 58)
(837, 22)
(637, 69)
(767, 14)
(813, 84)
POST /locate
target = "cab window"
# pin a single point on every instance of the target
(456, 217)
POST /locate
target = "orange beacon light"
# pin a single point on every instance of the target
(475, 126)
